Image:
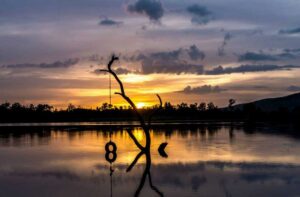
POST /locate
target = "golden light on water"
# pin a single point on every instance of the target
(182, 148)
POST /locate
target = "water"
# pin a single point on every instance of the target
(203, 160)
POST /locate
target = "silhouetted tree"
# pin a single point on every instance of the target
(211, 106)
(71, 107)
(231, 102)
(202, 106)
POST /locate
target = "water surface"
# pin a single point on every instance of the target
(203, 160)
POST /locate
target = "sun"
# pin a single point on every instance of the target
(140, 105)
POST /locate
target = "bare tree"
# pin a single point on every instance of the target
(144, 150)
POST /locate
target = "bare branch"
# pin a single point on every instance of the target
(156, 110)
(153, 187)
(135, 140)
(160, 101)
(134, 161)
(113, 58)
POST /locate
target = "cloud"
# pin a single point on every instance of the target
(119, 71)
(205, 89)
(248, 68)
(292, 50)
(58, 64)
(221, 49)
(177, 61)
(164, 66)
(166, 55)
(109, 22)
(290, 31)
(195, 53)
(293, 88)
(252, 56)
(151, 8)
(174, 61)
(201, 15)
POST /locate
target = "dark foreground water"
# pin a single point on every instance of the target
(203, 160)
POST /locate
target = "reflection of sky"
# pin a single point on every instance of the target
(185, 146)
(36, 31)
(202, 161)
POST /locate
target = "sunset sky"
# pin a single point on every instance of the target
(187, 51)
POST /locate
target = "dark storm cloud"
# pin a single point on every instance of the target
(57, 64)
(205, 89)
(109, 22)
(221, 49)
(248, 68)
(151, 8)
(290, 31)
(201, 15)
(293, 88)
(252, 56)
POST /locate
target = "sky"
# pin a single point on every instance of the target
(186, 51)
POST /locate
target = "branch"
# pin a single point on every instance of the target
(135, 161)
(153, 187)
(122, 93)
(156, 110)
(135, 140)
(113, 58)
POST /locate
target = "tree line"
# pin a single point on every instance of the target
(17, 112)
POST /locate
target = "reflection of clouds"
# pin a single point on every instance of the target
(202, 160)
(209, 178)
(45, 174)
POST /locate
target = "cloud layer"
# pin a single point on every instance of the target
(252, 56)
(248, 68)
(54, 65)
(205, 89)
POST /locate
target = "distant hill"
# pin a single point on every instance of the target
(289, 102)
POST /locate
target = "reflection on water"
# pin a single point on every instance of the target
(203, 160)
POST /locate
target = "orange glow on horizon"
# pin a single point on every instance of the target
(140, 105)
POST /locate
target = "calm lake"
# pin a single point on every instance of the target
(203, 160)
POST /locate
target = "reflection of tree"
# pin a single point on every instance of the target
(146, 173)
(144, 150)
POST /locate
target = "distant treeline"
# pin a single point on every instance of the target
(17, 112)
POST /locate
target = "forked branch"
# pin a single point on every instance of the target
(155, 111)
(131, 103)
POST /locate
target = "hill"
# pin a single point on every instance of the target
(289, 103)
